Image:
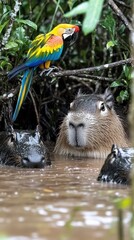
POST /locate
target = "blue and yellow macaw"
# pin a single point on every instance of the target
(43, 50)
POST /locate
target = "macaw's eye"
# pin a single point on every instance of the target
(69, 31)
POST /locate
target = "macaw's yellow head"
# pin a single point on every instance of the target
(65, 30)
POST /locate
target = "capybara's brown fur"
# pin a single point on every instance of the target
(90, 127)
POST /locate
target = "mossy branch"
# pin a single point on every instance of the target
(13, 14)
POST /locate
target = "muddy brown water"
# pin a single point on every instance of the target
(60, 202)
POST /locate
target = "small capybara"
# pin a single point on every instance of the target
(23, 149)
(117, 166)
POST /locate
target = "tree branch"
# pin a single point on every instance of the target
(86, 77)
(83, 71)
(12, 19)
(120, 14)
(123, 4)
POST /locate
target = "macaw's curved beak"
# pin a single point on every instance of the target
(70, 40)
(74, 38)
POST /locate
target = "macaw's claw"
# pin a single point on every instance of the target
(48, 71)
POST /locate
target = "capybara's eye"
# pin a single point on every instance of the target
(12, 137)
(102, 107)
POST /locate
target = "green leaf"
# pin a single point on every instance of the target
(80, 9)
(20, 42)
(92, 16)
(123, 203)
(127, 70)
(5, 14)
(71, 3)
(3, 25)
(110, 24)
(6, 64)
(116, 83)
(27, 22)
(20, 34)
(110, 44)
(3, 237)
(10, 45)
(124, 95)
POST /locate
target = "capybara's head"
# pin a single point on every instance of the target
(90, 127)
(23, 149)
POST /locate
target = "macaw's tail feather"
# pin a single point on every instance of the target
(24, 89)
(17, 70)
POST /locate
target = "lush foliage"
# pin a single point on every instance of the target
(108, 42)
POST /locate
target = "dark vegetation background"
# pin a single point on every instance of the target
(109, 42)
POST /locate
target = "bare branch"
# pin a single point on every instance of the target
(120, 14)
(86, 77)
(83, 71)
(123, 4)
(35, 107)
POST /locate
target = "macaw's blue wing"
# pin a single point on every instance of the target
(17, 70)
(25, 86)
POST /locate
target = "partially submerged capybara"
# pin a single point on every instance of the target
(23, 149)
(90, 127)
(117, 166)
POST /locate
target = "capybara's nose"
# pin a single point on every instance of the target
(76, 125)
(34, 161)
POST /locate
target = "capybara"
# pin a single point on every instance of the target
(23, 149)
(91, 127)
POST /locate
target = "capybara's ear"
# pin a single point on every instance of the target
(108, 97)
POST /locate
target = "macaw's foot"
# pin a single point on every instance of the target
(48, 70)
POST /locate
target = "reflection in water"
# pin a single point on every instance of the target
(61, 202)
